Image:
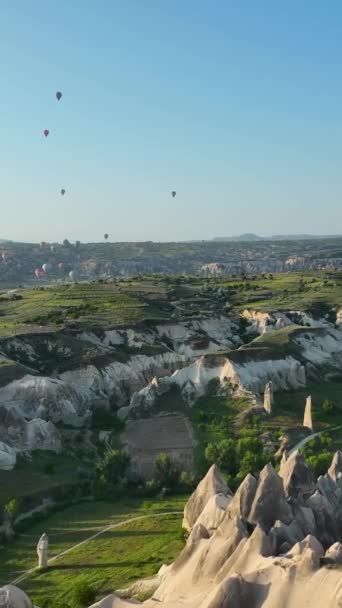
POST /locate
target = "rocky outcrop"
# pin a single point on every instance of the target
(269, 503)
(8, 457)
(212, 484)
(334, 553)
(298, 480)
(241, 503)
(12, 596)
(268, 398)
(335, 470)
(307, 422)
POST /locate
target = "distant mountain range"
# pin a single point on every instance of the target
(250, 237)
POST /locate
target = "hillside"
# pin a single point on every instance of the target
(19, 261)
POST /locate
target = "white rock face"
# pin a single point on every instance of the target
(42, 435)
(221, 333)
(320, 348)
(47, 398)
(11, 596)
(8, 457)
(263, 322)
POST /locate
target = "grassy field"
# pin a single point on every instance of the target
(101, 304)
(284, 291)
(94, 304)
(112, 560)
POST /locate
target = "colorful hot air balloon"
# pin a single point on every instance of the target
(62, 192)
(59, 95)
(46, 132)
(39, 272)
(106, 236)
(173, 193)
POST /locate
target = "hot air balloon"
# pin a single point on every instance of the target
(46, 132)
(47, 267)
(39, 272)
(106, 236)
(72, 275)
(59, 95)
(173, 193)
(62, 192)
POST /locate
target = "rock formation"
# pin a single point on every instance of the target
(12, 597)
(42, 551)
(212, 485)
(335, 470)
(298, 480)
(307, 422)
(271, 547)
(268, 398)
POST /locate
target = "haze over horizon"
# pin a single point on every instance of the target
(237, 108)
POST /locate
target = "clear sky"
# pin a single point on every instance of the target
(237, 105)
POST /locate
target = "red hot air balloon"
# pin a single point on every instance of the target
(39, 272)
(46, 132)
(59, 95)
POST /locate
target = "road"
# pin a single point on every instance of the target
(304, 441)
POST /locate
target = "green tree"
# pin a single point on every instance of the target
(223, 454)
(166, 473)
(319, 463)
(113, 467)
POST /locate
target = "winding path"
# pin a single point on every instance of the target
(306, 440)
(90, 538)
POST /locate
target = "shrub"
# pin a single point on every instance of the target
(328, 407)
(83, 594)
(12, 508)
(166, 473)
(106, 419)
(213, 387)
(111, 470)
(187, 481)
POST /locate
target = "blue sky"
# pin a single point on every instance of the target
(236, 105)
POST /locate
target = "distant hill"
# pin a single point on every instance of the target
(250, 237)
